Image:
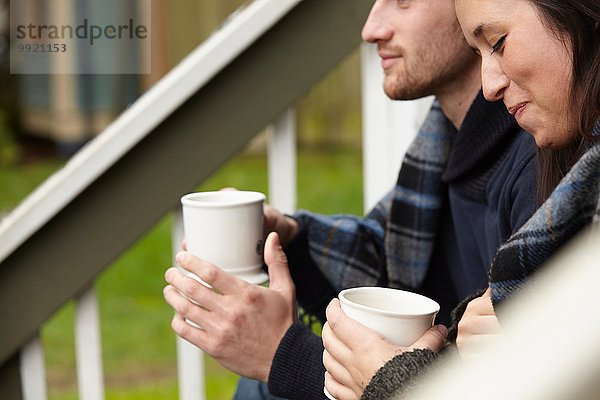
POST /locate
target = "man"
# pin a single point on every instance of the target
(435, 233)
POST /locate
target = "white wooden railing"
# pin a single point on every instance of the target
(388, 128)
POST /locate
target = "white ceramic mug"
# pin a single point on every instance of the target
(226, 228)
(401, 316)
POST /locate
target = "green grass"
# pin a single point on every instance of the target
(139, 352)
(18, 180)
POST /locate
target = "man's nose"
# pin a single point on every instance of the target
(376, 28)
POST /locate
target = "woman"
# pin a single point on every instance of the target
(542, 58)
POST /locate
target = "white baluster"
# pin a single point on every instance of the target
(88, 348)
(388, 129)
(33, 371)
(190, 359)
(282, 162)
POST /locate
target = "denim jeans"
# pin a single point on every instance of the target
(248, 389)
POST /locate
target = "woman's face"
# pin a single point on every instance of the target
(523, 63)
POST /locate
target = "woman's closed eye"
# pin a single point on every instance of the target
(497, 47)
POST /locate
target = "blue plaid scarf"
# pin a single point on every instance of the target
(574, 204)
(417, 203)
(392, 246)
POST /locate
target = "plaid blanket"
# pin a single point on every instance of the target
(574, 204)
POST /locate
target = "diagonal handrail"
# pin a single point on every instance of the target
(197, 69)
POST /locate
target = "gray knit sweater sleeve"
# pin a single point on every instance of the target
(398, 375)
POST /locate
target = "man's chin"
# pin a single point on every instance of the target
(397, 93)
(394, 90)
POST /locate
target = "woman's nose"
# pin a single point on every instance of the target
(493, 79)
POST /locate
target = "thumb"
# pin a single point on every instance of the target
(276, 260)
(433, 339)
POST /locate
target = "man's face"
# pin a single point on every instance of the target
(421, 46)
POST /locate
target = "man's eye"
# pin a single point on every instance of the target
(498, 45)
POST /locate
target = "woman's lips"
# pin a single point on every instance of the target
(517, 110)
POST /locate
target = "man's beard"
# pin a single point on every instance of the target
(409, 87)
(427, 72)
(425, 79)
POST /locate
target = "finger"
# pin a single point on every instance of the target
(488, 293)
(338, 390)
(333, 304)
(192, 289)
(269, 220)
(337, 370)
(184, 244)
(481, 305)
(481, 325)
(186, 309)
(276, 260)
(433, 339)
(195, 336)
(220, 280)
(334, 346)
(347, 330)
(270, 215)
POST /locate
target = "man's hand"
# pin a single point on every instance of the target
(242, 324)
(478, 328)
(354, 353)
(285, 226)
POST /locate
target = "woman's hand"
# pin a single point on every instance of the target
(354, 353)
(478, 328)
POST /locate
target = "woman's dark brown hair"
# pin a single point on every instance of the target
(580, 20)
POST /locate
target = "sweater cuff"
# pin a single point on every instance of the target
(398, 375)
(313, 290)
(457, 314)
(297, 371)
